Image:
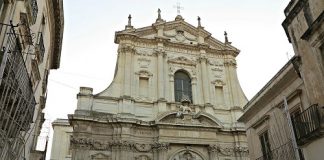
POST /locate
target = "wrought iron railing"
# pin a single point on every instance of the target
(17, 102)
(284, 152)
(307, 124)
(40, 48)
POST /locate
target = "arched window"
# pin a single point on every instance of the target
(182, 86)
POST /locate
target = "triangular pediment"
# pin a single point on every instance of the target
(179, 31)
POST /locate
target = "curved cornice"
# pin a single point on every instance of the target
(196, 31)
(133, 38)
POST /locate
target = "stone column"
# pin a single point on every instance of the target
(205, 79)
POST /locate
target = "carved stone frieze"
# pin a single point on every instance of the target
(160, 146)
(226, 150)
(142, 147)
(230, 62)
(126, 49)
(216, 62)
(144, 52)
(182, 60)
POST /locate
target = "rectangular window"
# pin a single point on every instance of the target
(143, 86)
(219, 95)
(265, 145)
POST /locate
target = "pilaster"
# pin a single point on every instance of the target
(205, 79)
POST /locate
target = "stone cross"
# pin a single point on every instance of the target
(129, 20)
(178, 8)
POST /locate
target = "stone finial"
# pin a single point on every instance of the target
(159, 13)
(129, 24)
(226, 38)
(159, 19)
(199, 23)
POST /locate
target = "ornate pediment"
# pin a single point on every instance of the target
(176, 31)
(182, 60)
(188, 118)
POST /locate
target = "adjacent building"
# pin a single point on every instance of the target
(285, 119)
(175, 95)
(31, 34)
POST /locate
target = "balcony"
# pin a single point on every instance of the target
(284, 152)
(309, 124)
(40, 48)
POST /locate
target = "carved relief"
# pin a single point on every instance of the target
(218, 72)
(143, 157)
(143, 52)
(143, 147)
(186, 155)
(230, 62)
(218, 82)
(226, 150)
(100, 156)
(144, 73)
(180, 35)
(160, 146)
(182, 60)
(126, 49)
(188, 117)
(218, 62)
(144, 62)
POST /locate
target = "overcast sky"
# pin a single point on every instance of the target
(89, 53)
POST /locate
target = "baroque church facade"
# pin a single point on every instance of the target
(175, 96)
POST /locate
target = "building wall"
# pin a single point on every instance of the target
(304, 28)
(61, 140)
(304, 25)
(265, 112)
(43, 23)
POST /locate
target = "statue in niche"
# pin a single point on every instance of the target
(184, 108)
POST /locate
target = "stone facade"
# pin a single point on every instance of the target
(300, 81)
(140, 117)
(31, 33)
(61, 140)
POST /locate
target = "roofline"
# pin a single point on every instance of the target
(58, 15)
(250, 105)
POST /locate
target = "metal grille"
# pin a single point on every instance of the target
(307, 124)
(284, 152)
(17, 102)
(182, 86)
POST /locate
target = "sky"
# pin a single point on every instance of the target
(89, 53)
